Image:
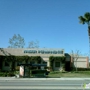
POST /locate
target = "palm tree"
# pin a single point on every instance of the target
(86, 19)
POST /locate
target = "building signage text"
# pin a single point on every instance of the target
(44, 51)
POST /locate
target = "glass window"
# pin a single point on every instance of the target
(25, 51)
(51, 52)
(45, 52)
(60, 52)
(57, 64)
(29, 51)
(54, 52)
(42, 51)
(39, 51)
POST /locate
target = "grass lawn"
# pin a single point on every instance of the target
(79, 74)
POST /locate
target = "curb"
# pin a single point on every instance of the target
(13, 78)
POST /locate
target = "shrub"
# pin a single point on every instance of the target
(5, 74)
(2, 74)
(83, 69)
(11, 74)
(38, 71)
(17, 68)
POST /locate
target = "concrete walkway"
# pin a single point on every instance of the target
(14, 78)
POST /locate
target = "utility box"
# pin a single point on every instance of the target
(21, 71)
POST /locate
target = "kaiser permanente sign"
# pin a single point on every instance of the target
(44, 51)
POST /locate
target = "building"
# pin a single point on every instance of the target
(45, 54)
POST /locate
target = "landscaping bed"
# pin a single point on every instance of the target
(78, 74)
(53, 74)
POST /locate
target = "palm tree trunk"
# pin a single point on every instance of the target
(89, 39)
(89, 30)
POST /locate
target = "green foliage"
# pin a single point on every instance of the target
(56, 58)
(47, 67)
(1, 63)
(38, 71)
(7, 74)
(17, 68)
(73, 74)
(83, 69)
(51, 59)
(16, 41)
(17, 72)
(33, 44)
(85, 19)
(18, 59)
(82, 20)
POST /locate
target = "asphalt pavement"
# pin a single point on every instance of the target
(13, 83)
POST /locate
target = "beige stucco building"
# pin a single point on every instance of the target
(80, 62)
(45, 53)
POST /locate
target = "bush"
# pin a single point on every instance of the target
(2, 74)
(47, 67)
(11, 74)
(17, 68)
(5, 74)
(83, 69)
(38, 71)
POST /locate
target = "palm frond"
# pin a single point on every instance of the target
(82, 19)
(87, 17)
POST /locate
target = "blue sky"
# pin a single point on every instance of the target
(54, 23)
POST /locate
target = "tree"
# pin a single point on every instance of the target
(75, 56)
(85, 19)
(33, 44)
(16, 41)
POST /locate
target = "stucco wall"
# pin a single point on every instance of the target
(81, 62)
(20, 52)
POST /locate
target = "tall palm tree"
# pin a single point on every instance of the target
(86, 19)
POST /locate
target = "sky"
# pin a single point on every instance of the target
(54, 23)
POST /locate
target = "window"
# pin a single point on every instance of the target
(57, 64)
(54, 52)
(60, 52)
(6, 64)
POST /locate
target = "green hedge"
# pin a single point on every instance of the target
(38, 71)
(20, 58)
(83, 69)
(6, 74)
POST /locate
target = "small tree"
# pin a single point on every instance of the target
(75, 56)
(33, 44)
(16, 41)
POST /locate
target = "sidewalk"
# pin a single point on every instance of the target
(13, 78)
